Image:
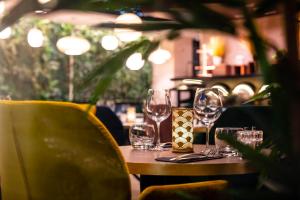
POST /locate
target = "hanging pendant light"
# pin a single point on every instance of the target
(35, 38)
(73, 46)
(135, 61)
(159, 56)
(124, 34)
(109, 42)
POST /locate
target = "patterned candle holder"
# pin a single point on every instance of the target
(182, 130)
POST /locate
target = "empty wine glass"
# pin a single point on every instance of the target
(207, 108)
(158, 108)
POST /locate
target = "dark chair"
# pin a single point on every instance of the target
(112, 123)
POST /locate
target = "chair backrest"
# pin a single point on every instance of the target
(112, 123)
(206, 190)
(52, 150)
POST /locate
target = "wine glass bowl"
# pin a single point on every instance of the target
(158, 108)
(207, 107)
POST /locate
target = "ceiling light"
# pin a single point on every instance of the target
(159, 56)
(2, 8)
(6, 33)
(35, 38)
(73, 46)
(124, 34)
(109, 42)
(135, 61)
(44, 1)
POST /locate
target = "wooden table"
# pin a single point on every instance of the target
(143, 162)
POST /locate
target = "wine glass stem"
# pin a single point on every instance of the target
(207, 135)
(158, 134)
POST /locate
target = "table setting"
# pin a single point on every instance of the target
(207, 108)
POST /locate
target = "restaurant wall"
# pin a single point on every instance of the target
(181, 49)
(179, 65)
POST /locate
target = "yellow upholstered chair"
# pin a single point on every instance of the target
(57, 151)
(89, 107)
(53, 151)
(207, 190)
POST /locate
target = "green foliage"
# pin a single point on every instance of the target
(104, 73)
(41, 73)
(26, 73)
(125, 81)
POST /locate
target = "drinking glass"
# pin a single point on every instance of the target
(158, 108)
(223, 147)
(207, 108)
(252, 138)
(141, 136)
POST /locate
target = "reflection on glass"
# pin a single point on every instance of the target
(207, 108)
(158, 108)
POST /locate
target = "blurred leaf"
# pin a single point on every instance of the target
(260, 161)
(270, 168)
(265, 6)
(259, 46)
(265, 94)
(100, 88)
(228, 3)
(21, 8)
(104, 73)
(173, 34)
(233, 3)
(148, 49)
(102, 5)
(147, 26)
(202, 17)
(259, 96)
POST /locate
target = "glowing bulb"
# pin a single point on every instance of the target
(2, 8)
(6, 33)
(135, 61)
(159, 56)
(73, 46)
(124, 34)
(35, 38)
(44, 1)
(110, 42)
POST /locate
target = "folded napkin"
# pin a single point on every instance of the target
(189, 158)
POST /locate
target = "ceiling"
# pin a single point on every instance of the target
(93, 18)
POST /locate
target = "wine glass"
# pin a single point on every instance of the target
(207, 108)
(158, 108)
